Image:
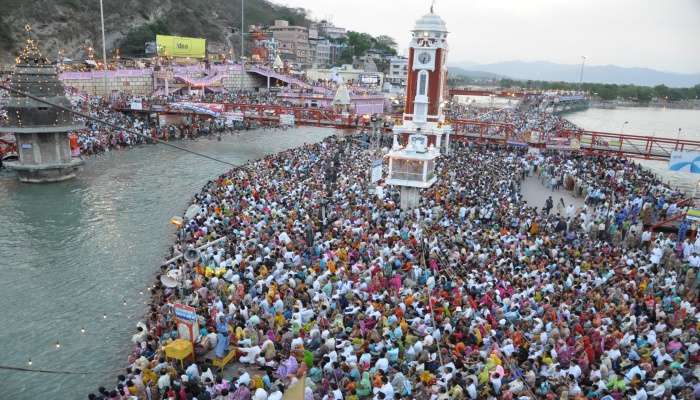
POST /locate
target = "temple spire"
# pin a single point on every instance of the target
(432, 7)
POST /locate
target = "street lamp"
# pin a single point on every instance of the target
(678, 136)
(242, 27)
(104, 47)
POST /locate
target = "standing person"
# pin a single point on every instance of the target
(548, 205)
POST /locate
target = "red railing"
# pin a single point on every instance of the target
(588, 142)
(8, 148)
(647, 147)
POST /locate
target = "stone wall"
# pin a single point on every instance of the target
(138, 82)
(235, 80)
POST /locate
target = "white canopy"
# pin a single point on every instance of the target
(342, 96)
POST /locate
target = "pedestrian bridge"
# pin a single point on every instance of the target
(475, 131)
(588, 142)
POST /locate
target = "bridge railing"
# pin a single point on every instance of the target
(650, 147)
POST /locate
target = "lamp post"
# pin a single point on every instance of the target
(104, 47)
(242, 27)
(678, 135)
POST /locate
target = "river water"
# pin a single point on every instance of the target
(660, 122)
(80, 254)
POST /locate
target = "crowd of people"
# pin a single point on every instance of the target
(136, 129)
(474, 294)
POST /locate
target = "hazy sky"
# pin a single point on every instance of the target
(659, 34)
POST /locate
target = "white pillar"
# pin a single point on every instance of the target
(447, 143)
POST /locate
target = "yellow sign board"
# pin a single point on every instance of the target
(693, 214)
(176, 46)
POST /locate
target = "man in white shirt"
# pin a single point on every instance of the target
(646, 239)
(163, 381)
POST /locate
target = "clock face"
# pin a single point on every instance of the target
(424, 58)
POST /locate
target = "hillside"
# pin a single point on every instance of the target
(457, 71)
(548, 71)
(69, 24)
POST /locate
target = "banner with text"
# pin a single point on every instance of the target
(177, 46)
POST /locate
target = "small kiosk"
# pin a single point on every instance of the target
(412, 168)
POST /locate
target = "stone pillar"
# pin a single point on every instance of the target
(447, 143)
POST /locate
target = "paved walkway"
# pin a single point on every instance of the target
(535, 193)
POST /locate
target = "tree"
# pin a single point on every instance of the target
(134, 42)
(386, 44)
(607, 92)
(346, 57)
(661, 91)
(628, 92)
(360, 42)
(644, 94)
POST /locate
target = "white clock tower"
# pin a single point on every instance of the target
(427, 81)
(419, 138)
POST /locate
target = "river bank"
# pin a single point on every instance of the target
(92, 243)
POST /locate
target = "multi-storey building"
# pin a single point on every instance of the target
(398, 70)
(321, 50)
(327, 29)
(292, 42)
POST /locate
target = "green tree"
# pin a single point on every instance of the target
(628, 92)
(644, 94)
(386, 44)
(346, 57)
(360, 42)
(661, 91)
(134, 42)
(607, 92)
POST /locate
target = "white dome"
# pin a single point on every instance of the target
(430, 22)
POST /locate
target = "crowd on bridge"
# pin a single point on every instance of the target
(528, 123)
(475, 294)
(136, 128)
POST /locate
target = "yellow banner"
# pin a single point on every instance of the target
(176, 46)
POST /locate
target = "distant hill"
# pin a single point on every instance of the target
(69, 24)
(468, 73)
(548, 71)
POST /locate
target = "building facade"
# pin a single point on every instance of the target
(320, 49)
(330, 31)
(398, 70)
(292, 43)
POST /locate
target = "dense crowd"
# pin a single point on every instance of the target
(530, 120)
(472, 295)
(135, 129)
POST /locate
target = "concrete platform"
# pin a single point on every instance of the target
(45, 173)
(536, 193)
